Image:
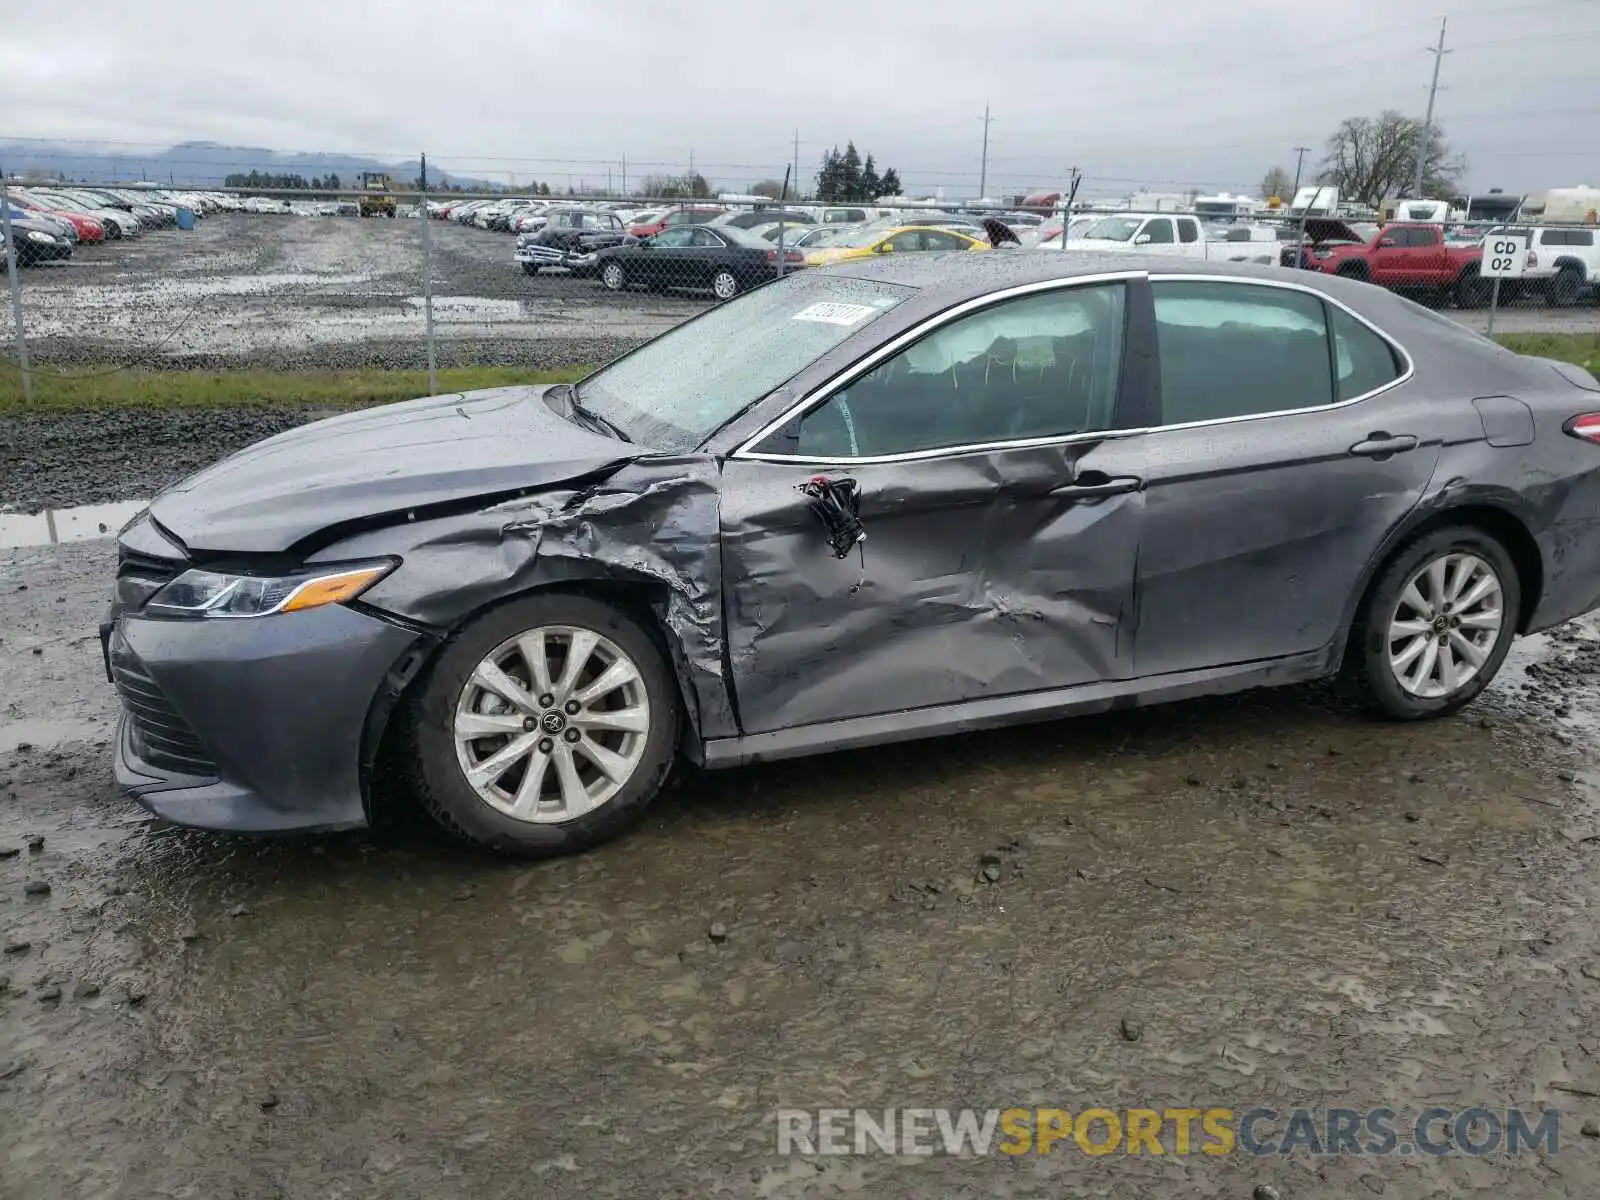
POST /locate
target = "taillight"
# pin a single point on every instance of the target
(794, 256)
(1586, 426)
(772, 256)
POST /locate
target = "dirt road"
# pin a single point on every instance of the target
(1284, 903)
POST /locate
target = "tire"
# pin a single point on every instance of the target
(562, 814)
(724, 284)
(1565, 287)
(614, 276)
(1408, 693)
(530, 268)
(1356, 271)
(1471, 289)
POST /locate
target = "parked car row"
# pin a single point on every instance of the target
(49, 220)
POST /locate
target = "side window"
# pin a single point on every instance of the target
(1035, 367)
(1188, 231)
(673, 239)
(1580, 237)
(1421, 238)
(702, 216)
(911, 239)
(1159, 231)
(1363, 361)
(934, 239)
(1239, 350)
(704, 237)
(678, 217)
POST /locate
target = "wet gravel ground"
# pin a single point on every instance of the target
(62, 459)
(287, 293)
(1282, 902)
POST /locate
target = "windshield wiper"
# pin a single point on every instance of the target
(588, 416)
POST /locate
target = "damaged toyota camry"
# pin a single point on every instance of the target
(872, 502)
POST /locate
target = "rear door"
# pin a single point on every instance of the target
(1284, 448)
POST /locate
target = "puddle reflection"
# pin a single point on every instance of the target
(57, 525)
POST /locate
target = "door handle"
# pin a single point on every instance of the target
(1092, 485)
(1380, 444)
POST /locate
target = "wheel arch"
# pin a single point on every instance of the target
(643, 599)
(1484, 513)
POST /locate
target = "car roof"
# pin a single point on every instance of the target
(957, 277)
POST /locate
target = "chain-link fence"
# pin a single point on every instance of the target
(112, 277)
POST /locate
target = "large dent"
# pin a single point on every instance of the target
(652, 523)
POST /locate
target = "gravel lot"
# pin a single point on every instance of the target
(297, 292)
(1287, 903)
(1263, 900)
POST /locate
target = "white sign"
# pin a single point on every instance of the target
(1505, 255)
(831, 312)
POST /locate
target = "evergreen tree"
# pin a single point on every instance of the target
(889, 185)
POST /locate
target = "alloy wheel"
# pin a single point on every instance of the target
(724, 285)
(551, 724)
(612, 277)
(1446, 625)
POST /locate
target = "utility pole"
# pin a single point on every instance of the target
(797, 159)
(1300, 153)
(422, 178)
(1426, 136)
(624, 175)
(983, 171)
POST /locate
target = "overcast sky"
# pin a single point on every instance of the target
(1159, 93)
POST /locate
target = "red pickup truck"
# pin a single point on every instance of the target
(1405, 256)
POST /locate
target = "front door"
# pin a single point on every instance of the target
(1000, 530)
(1270, 481)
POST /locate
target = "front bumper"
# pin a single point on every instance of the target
(554, 256)
(252, 725)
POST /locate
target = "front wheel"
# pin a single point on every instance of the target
(724, 285)
(546, 727)
(1435, 626)
(613, 276)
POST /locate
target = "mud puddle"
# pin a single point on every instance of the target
(53, 526)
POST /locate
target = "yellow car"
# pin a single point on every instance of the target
(898, 239)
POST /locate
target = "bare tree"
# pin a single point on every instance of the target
(1276, 182)
(772, 189)
(1370, 159)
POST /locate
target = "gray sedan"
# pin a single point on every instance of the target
(889, 500)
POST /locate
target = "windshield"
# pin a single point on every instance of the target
(861, 237)
(674, 392)
(1113, 229)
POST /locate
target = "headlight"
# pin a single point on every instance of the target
(200, 593)
(35, 236)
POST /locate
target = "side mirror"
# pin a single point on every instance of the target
(1387, 241)
(1142, 239)
(886, 248)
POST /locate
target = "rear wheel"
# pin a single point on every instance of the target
(724, 284)
(1435, 626)
(1471, 289)
(1565, 286)
(614, 276)
(530, 268)
(546, 727)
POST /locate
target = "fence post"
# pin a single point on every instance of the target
(427, 292)
(16, 291)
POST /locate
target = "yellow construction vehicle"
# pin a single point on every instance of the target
(376, 198)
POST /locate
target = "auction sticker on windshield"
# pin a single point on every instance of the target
(831, 312)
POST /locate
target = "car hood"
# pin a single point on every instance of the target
(380, 465)
(1328, 229)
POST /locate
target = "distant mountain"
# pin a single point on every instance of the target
(204, 164)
